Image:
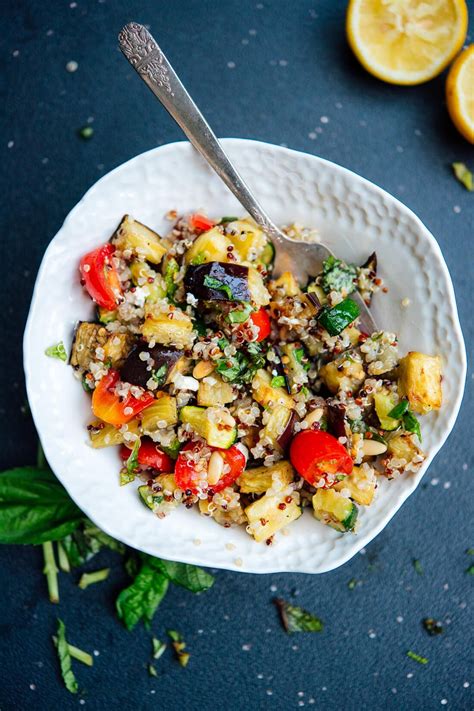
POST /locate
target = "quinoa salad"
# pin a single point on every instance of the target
(244, 395)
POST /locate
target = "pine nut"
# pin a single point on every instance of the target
(215, 468)
(370, 448)
(314, 416)
(203, 368)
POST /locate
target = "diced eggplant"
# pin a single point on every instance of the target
(218, 281)
(278, 369)
(337, 419)
(164, 362)
(286, 436)
(312, 297)
(370, 263)
(140, 239)
(87, 337)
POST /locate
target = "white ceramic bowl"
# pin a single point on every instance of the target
(354, 218)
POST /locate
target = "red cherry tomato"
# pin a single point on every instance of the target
(113, 409)
(261, 319)
(149, 455)
(100, 277)
(201, 222)
(188, 473)
(316, 454)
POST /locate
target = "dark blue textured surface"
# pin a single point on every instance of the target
(292, 67)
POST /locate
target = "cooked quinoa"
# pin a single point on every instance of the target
(245, 395)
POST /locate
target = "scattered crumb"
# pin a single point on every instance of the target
(72, 66)
(239, 562)
(230, 546)
(406, 302)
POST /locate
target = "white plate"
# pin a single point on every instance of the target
(354, 218)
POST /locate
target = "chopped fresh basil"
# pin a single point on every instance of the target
(278, 381)
(179, 646)
(227, 219)
(464, 175)
(411, 424)
(172, 268)
(86, 386)
(335, 319)
(416, 657)
(341, 477)
(338, 276)
(240, 315)
(158, 648)
(417, 566)
(296, 619)
(65, 659)
(140, 600)
(172, 450)
(160, 374)
(152, 671)
(58, 351)
(86, 132)
(470, 570)
(399, 410)
(213, 283)
(200, 258)
(96, 576)
(433, 627)
(132, 461)
(187, 576)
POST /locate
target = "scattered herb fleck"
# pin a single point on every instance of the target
(352, 583)
(86, 132)
(470, 551)
(179, 646)
(278, 381)
(416, 657)
(464, 175)
(417, 566)
(132, 461)
(411, 424)
(97, 576)
(240, 315)
(160, 374)
(399, 410)
(470, 570)
(58, 351)
(65, 659)
(77, 653)
(432, 626)
(152, 671)
(228, 219)
(296, 619)
(214, 283)
(158, 647)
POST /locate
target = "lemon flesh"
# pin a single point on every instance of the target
(460, 93)
(406, 41)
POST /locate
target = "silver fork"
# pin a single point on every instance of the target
(303, 259)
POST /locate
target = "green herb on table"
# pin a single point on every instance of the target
(152, 671)
(416, 657)
(213, 283)
(76, 653)
(417, 566)
(140, 600)
(296, 619)
(158, 648)
(58, 351)
(352, 584)
(338, 276)
(470, 570)
(432, 626)
(470, 551)
(64, 656)
(179, 645)
(464, 175)
(337, 318)
(86, 132)
(96, 576)
(278, 381)
(51, 571)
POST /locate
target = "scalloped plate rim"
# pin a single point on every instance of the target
(188, 556)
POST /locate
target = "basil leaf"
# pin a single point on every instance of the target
(187, 576)
(214, 283)
(172, 268)
(464, 175)
(338, 276)
(240, 315)
(132, 461)
(417, 566)
(278, 381)
(416, 657)
(399, 410)
(97, 576)
(65, 660)
(228, 219)
(411, 424)
(336, 319)
(160, 374)
(152, 671)
(470, 570)
(57, 351)
(141, 599)
(158, 648)
(172, 450)
(35, 507)
(200, 258)
(296, 619)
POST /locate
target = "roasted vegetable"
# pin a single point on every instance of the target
(103, 435)
(419, 379)
(214, 391)
(248, 239)
(215, 424)
(147, 279)
(279, 428)
(402, 446)
(258, 291)
(211, 246)
(269, 396)
(260, 479)
(89, 337)
(338, 276)
(159, 363)
(160, 497)
(384, 403)
(334, 509)
(336, 319)
(173, 328)
(295, 365)
(359, 485)
(343, 374)
(139, 239)
(271, 513)
(218, 281)
(161, 414)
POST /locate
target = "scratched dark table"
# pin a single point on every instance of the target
(279, 72)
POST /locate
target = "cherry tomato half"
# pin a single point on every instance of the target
(201, 222)
(100, 277)
(188, 474)
(110, 407)
(315, 454)
(149, 455)
(261, 319)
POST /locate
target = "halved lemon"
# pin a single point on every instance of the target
(460, 93)
(406, 41)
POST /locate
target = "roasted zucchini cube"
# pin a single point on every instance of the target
(294, 367)
(258, 291)
(248, 239)
(139, 239)
(279, 427)
(419, 379)
(268, 396)
(173, 328)
(161, 502)
(161, 414)
(384, 402)
(104, 435)
(214, 391)
(359, 485)
(271, 513)
(150, 281)
(345, 373)
(335, 510)
(403, 446)
(211, 246)
(285, 283)
(260, 479)
(215, 424)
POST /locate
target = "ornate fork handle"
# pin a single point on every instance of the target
(146, 57)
